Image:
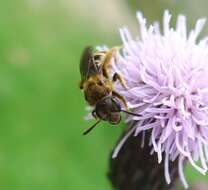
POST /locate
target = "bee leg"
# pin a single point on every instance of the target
(109, 55)
(105, 73)
(94, 114)
(118, 77)
(115, 49)
(116, 59)
(114, 93)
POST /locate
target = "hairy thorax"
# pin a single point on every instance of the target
(95, 88)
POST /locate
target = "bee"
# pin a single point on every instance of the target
(98, 86)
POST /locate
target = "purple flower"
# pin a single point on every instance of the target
(167, 77)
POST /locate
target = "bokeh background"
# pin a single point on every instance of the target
(41, 106)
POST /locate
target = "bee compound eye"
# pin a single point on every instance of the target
(115, 118)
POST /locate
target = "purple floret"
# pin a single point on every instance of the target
(167, 77)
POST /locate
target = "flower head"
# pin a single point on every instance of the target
(167, 77)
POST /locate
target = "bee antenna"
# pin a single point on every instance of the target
(130, 113)
(91, 128)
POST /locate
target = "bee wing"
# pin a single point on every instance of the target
(87, 64)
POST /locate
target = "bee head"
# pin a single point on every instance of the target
(108, 109)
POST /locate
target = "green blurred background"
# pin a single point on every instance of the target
(41, 106)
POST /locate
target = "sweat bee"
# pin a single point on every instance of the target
(98, 86)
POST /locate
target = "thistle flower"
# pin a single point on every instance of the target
(167, 77)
